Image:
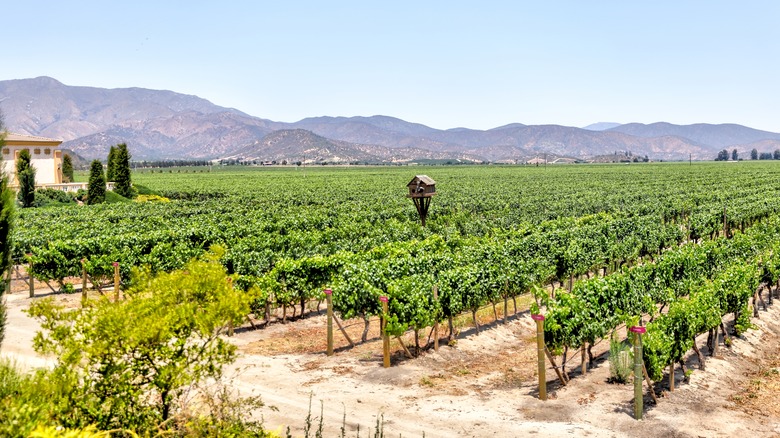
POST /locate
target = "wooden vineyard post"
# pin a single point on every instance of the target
(116, 281)
(714, 342)
(583, 358)
(671, 377)
(30, 277)
(436, 323)
(329, 299)
(385, 336)
(638, 371)
(83, 282)
(540, 348)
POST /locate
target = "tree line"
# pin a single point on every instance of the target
(723, 155)
(168, 163)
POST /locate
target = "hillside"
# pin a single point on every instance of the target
(160, 124)
(157, 124)
(712, 136)
(294, 145)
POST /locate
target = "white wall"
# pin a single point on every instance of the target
(47, 166)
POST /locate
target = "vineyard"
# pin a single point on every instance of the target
(673, 247)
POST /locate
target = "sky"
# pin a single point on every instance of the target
(445, 64)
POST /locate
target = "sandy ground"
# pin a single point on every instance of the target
(483, 385)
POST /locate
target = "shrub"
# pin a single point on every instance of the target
(49, 197)
(113, 198)
(132, 361)
(621, 360)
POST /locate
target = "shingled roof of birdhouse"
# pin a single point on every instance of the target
(425, 179)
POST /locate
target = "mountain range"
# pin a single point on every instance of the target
(167, 125)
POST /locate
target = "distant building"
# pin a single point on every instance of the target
(45, 154)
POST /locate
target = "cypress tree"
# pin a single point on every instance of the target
(6, 226)
(122, 184)
(67, 168)
(25, 173)
(96, 188)
(111, 164)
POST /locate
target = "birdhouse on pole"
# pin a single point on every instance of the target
(421, 189)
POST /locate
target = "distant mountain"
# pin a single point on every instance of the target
(601, 126)
(510, 142)
(156, 124)
(293, 145)
(711, 136)
(168, 125)
(575, 142)
(378, 130)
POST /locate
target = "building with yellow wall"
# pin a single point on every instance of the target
(45, 154)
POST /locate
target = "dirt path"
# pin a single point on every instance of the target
(483, 386)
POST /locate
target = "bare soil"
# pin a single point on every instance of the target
(480, 385)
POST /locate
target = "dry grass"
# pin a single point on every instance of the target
(759, 394)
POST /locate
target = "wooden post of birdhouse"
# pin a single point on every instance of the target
(540, 350)
(638, 371)
(385, 336)
(421, 189)
(116, 281)
(329, 299)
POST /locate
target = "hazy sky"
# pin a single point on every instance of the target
(445, 64)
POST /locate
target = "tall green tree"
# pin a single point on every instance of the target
(722, 155)
(754, 154)
(25, 173)
(67, 168)
(111, 164)
(734, 155)
(96, 189)
(122, 184)
(6, 226)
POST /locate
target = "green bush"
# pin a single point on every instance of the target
(27, 399)
(51, 197)
(143, 190)
(113, 197)
(81, 195)
(621, 361)
(172, 352)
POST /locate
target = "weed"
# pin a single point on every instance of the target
(621, 360)
(463, 371)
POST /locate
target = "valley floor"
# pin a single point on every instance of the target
(482, 386)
